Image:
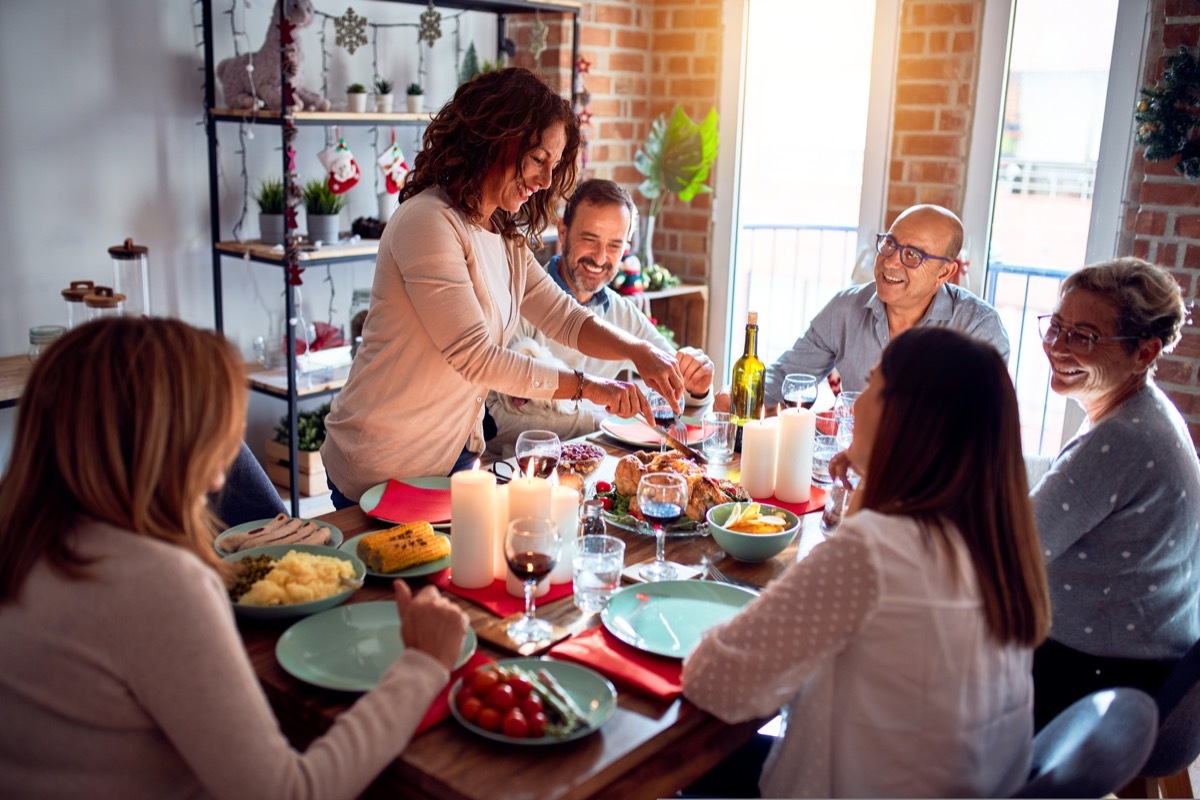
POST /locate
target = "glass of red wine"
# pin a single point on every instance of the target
(800, 390)
(538, 453)
(531, 547)
(661, 499)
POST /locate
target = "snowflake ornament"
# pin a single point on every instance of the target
(537, 38)
(351, 30)
(431, 25)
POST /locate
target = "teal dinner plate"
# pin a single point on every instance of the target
(295, 610)
(351, 546)
(335, 534)
(371, 497)
(350, 647)
(591, 691)
(668, 618)
(634, 432)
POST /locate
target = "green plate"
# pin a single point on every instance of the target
(371, 497)
(590, 690)
(351, 546)
(348, 648)
(633, 431)
(295, 610)
(335, 533)
(668, 618)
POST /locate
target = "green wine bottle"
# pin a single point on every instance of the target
(749, 374)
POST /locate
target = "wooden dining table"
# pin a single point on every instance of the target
(648, 749)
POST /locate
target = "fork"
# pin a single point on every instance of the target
(721, 577)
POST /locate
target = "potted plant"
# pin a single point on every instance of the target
(413, 95)
(271, 208)
(383, 95)
(675, 158)
(310, 435)
(321, 207)
(356, 98)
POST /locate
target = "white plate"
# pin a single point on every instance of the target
(371, 497)
(335, 534)
(636, 433)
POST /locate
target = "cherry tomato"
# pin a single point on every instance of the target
(532, 705)
(520, 685)
(606, 502)
(603, 486)
(537, 724)
(515, 725)
(489, 719)
(502, 698)
(484, 681)
(463, 694)
(471, 708)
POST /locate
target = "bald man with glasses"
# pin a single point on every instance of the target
(917, 258)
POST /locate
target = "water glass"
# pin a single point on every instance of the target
(827, 422)
(825, 447)
(596, 566)
(719, 433)
(843, 406)
(845, 433)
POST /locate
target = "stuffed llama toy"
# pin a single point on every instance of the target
(260, 87)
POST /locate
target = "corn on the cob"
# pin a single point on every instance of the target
(401, 547)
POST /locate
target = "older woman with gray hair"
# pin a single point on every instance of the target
(1119, 509)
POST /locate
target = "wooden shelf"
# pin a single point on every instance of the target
(337, 117)
(273, 253)
(274, 381)
(683, 309)
(14, 371)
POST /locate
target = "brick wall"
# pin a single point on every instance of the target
(1162, 218)
(936, 76)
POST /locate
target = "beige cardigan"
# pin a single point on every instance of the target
(433, 345)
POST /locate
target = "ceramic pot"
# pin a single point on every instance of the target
(323, 228)
(272, 228)
(356, 103)
(414, 103)
(383, 103)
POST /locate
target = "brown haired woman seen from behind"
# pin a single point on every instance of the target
(901, 646)
(121, 660)
(453, 279)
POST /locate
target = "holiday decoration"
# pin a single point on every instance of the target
(393, 166)
(343, 169)
(1169, 115)
(431, 25)
(629, 279)
(582, 98)
(253, 80)
(470, 65)
(351, 30)
(537, 37)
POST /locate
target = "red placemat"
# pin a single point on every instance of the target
(439, 709)
(646, 673)
(403, 502)
(495, 598)
(816, 502)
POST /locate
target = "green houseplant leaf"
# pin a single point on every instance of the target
(676, 157)
(319, 199)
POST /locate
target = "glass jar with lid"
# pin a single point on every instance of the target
(130, 267)
(73, 296)
(40, 336)
(102, 302)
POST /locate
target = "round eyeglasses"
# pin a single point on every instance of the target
(1077, 341)
(910, 257)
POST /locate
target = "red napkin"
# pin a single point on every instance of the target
(816, 502)
(648, 674)
(403, 502)
(495, 598)
(439, 709)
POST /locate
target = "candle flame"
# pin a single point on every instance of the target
(778, 409)
(477, 463)
(531, 467)
(762, 413)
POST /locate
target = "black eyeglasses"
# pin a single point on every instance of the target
(910, 257)
(1077, 341)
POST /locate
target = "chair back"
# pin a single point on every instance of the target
(1178, 742)
(1094, 747)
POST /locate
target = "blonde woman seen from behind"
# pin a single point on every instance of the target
(900, 649)
(121, 659)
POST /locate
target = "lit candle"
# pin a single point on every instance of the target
(759, 446)
(527, 497)
(500, 569)
(472, 519)
(564, 510)
(793, 464)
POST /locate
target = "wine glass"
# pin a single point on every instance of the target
(800, 390)
(665, 418)
(661, 498)
(531, 549)
(538, 453)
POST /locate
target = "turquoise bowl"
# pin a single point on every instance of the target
(752, 547)
(297, 610)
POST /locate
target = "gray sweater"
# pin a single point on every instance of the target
(1119, 515)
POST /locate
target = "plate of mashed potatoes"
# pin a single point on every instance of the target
(284, 581)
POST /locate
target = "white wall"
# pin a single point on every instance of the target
(101, 114)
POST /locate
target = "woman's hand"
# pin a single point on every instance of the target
(839, 467)
(431, 623)
(619, 398)
(660, 372)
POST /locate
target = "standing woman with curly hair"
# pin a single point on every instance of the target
(454, 277)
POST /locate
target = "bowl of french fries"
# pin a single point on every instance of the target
(752, 531)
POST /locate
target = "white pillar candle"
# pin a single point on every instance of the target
(793, 464)
(500, 568)
(472, 519)
(564, 510)
(528, 497)
(759, 445)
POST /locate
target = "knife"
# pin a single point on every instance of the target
(690, 452)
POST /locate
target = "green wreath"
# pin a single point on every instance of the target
(1169, 114)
